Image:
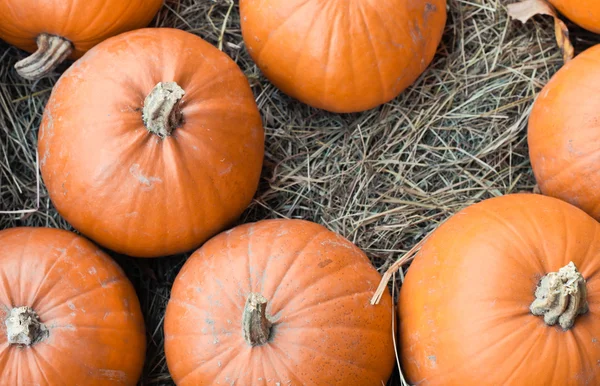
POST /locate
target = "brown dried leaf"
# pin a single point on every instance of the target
(525, 10)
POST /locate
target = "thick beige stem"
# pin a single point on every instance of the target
(162, 113)
(560, 297)
(52, 51)
(23, 327)
(255, 322)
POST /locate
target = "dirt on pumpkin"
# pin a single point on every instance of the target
(383, 178)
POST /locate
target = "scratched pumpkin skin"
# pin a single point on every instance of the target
(92, 330)
(339, 55)
(320, 327)
(152, 143)
(564, 134)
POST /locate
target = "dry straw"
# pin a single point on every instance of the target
(384, 178)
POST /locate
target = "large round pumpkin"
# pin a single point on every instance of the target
(507, 292)
(278, 302)
(151, 143)
(57, 29)
(69, 316)
(564, 134)
(340, 55)
(585, 13)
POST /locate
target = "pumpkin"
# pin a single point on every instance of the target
(69, 316)
(342, 56)
(507, 292)
(585, 13)
(564, 133)
(283, 302)
(151, 143)
(59, 29)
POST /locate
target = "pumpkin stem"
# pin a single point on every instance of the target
(561, 297)
(162, 113)
(23, 327)
(255, 322)
(52, 51)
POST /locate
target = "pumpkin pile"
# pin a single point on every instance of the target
(164, 127)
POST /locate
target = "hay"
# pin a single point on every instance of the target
(383, 179)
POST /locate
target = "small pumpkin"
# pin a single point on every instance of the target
(152, 143)
(564, 133)
(339, 55)
(68, 314)
(59, 29)
(279, 302)
(507, 292)
(585, 13)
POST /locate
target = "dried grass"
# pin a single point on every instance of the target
(383, 179)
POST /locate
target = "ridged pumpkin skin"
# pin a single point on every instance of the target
(131, 190)
(585, 13)
(96, 333)
(564, 134)
(339, 55)
(464, 305)
(318, 288)
(83, 22)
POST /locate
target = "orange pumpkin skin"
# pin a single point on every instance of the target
(84, 23)
(95, 330)
(131, 190)
(318, 288)
(564, 134)
(464, 305)
(585, 13)
(342, 56)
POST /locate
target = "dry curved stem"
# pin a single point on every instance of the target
(406, 258)
(162, 113)
(52, 51)
(526, 9)
(24, 328)
(256, 324)
(561, 297)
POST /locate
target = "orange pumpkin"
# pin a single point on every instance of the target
(152, 143)
(507, 292)
(58, 29)
(283, 302)
(564, 134)
(69, 316)
(339, 55)
(585, 13)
